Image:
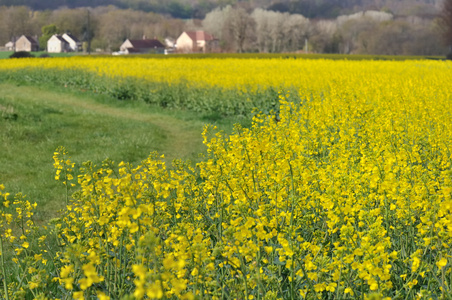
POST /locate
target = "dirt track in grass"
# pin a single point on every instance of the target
(183, 138)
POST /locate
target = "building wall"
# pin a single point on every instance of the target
(125, 45)
(23, 44)
(54, 45)
(72, 44)
(9, 46)
(201, 46)
(184, 43)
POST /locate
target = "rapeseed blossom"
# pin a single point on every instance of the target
(323, 203)
(344, 191)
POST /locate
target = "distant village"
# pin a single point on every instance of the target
(187, 42)
(226, 29)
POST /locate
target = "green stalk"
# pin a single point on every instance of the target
(65, 179)
(291, 232)
(307, 278)
(442, 284)
(5, 285)
(242, 267)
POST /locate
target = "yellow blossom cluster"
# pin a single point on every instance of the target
(245, 75)
(235, 86)
(334, 198)
(21, 249)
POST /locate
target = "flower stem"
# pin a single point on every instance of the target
(2, 254)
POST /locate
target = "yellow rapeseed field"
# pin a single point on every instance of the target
(312, 75)
(345, 192)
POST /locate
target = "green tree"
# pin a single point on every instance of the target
(47, 32)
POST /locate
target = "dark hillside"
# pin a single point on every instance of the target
(186, 9)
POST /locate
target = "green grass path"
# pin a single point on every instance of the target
(183, 137)
(91, 127)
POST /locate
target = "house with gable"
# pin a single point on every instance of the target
(63, 43)
(142, 46)
(26, 43)
(196, 41)
(9, 46)
(74, 44)
(56, 44)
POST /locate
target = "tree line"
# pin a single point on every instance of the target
(366, 32)
(239, 28)
(197, 9)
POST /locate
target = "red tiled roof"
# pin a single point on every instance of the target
(199, 35)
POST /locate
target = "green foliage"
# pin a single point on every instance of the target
(7, 54)
(216, 100)
(8, 112)
(49, 29)
(21, 54)
(47, 32)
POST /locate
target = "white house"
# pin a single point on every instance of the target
(196, 41)
(63, 43)
(74, 43)
(9, 46)
(26, 43)
(56, 44)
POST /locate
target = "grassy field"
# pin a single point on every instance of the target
(295, 56)
(35, 121)
(6, 54)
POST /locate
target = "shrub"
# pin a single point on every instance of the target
(21, 54)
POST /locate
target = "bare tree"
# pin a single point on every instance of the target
(215, 20)
(240, 27)
(446, 24)
(296, 30)
(268, 29)
(278, 32)
(356, 29)
(115, 28)
(70, 20)
(322, 37)
(16, 21)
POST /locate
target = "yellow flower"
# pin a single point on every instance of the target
(33, 285)
(442, 262)
(348, 291)
(416, 263)
(412, 283)
(66, 270)
(102, 296)
(78, 295)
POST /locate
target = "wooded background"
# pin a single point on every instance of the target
(405, 27)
